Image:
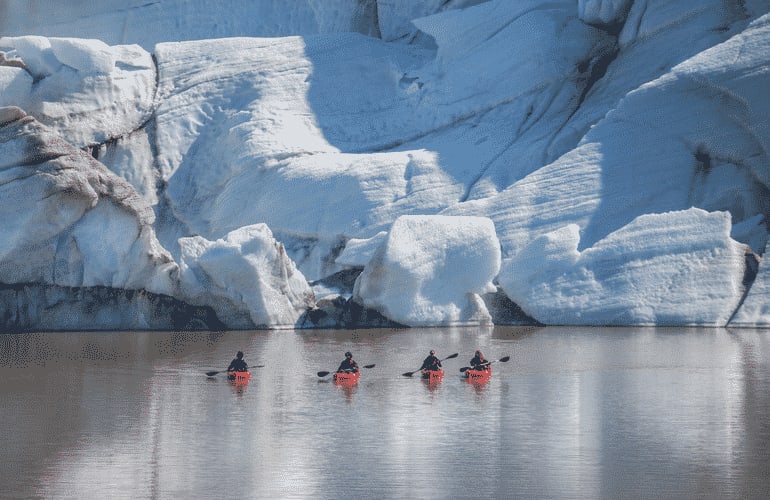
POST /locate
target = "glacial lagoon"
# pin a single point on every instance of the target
(574, 413)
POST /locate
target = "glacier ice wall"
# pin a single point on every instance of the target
(615, 146)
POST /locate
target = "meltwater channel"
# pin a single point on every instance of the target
(574, 413)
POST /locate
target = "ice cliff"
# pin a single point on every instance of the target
(361, 162)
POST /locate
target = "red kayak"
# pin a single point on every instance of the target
(433, 375)
(346, 378)
(239, 377)
(478, 376)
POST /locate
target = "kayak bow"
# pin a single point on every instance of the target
(346, 378)
(478, 376)
(239, 377)
(433, 375)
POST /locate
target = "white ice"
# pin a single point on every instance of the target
(86, 91)
(246, 277)
(596, 130)
(118, 22)
(70, 222)
(400, 279)
(623, 279)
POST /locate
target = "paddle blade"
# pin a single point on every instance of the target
(368, 366)
(452, 355)
(465, 369)
(323, 374)
(504, 359)
(408, 374)
(211, 374)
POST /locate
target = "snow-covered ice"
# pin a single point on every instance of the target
(118, 22)
(358, 252)
(246, 277)
(85, 90)
(606, 12)
(400, 281)
(623, 279)
(609, 158)
(70, 222)
(756, 307)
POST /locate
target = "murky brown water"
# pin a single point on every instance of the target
(575, 413)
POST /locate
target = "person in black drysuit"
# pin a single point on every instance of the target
(237, 365)
(479, 362)
(431, 362)
(348, 365)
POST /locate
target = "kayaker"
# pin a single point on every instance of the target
(348, 365)
(238, 364)
(431, 362)
(479, 362)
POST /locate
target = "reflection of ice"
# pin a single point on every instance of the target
(583, 412)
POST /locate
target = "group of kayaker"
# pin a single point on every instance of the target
(432, 363)
(348, 365)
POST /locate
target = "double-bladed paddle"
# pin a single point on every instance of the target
(487, 363)
(409, 374)
(211, 374)
(325, 373)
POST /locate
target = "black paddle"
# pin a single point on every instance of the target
(211, 374)
(409, 374)
(486, 363)
(325, 373)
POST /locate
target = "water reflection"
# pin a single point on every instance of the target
(347, 390)
(431, 384)
(238, 388)
(478, 385)
(576, 412)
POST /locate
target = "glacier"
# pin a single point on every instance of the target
(289, 164)
(399, 281)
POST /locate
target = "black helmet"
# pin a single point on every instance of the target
(348, 354)
(239, 355)
(432, 352)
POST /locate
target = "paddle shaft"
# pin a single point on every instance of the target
(325, 373)
(487, 363)
(409, 374)
(211, 374)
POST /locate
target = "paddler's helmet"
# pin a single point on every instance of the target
(348, 354)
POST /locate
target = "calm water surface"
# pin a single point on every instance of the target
(575, 413)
